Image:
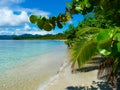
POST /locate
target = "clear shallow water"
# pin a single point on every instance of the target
(13, 52)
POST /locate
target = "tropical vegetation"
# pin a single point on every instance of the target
(59, 36)
(97, 34)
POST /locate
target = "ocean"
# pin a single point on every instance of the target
(29, 62)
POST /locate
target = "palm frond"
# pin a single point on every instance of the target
(85, 47)
(83, 51)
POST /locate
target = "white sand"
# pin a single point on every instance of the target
(66, 79)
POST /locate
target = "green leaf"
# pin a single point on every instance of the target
(78, 8)
(114, 50)
(104, 47)
(117, 37)
(54, 18)
(104, 41)
(68, 16)
(83, 51)
(47, 26)
(68, 4)
(118, 47)
(104, 52)
(40, 23)
(33, 19)
(105, 35)
(59, 25)
(87, 4)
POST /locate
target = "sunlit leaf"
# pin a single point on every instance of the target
(78, 8)
(68, 16)
(104, 52)
(105, 35)
(117, 37)
(105, 47)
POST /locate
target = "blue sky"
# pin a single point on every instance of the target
(14, 15)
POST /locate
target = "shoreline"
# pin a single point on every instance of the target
(55, 77)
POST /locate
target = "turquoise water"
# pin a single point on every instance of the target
(13, 52)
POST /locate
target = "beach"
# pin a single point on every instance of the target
(28, 77)
(50, 70)
(83, 79)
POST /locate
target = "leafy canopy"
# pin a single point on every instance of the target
(107, 11)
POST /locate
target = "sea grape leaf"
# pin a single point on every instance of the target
(88, 5)
(104, 42)
(104, 35)
(59, 25)
(117, 37)
(114, 50)
(40, 23)
(105, 47)
(47, 26)
(68, 16)
(33, 19)
(78, 8)
(104, 52)
(118, 47)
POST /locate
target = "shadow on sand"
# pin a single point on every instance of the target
(93, 65)
(94, 86)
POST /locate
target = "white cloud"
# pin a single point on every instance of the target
(6, 33)
(14, 19)
(34, 11)
(27, 27)
(39, 32)
(20, 32)
(8, 18)
(14, 6)
(18, 23)
(25, 30)
(39, 12)
(9, 2)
